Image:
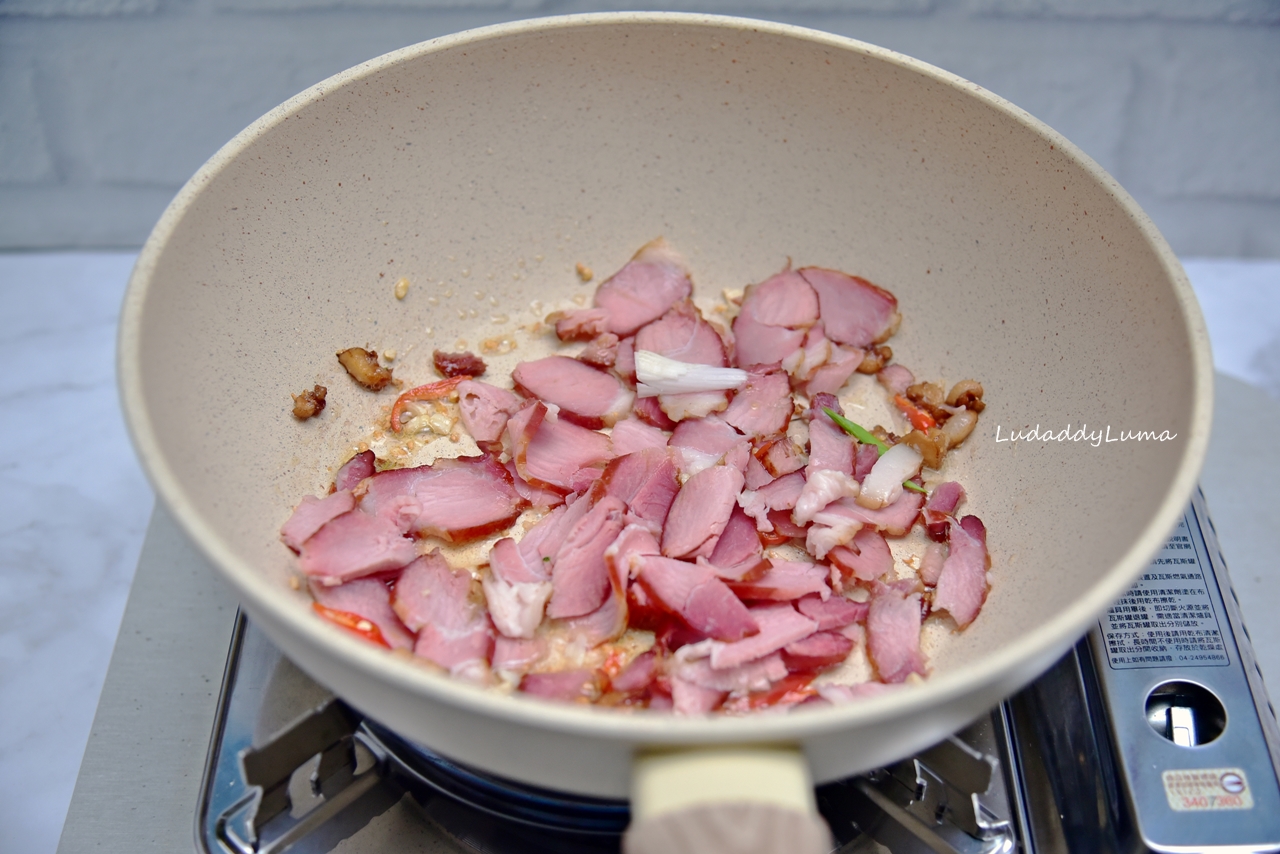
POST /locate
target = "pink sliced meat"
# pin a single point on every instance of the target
(864, 459)
(895, 378)
(700, 512)
(738, 552)
(624, 362)
(586, 396)
(756, 343)
(834, 612)
(758, 675)
(785, 580)
(455, 499)
(775, 314)
(763, 406)
(534, 496)
(822, 487)
(632, 434)
(893, 633)
(624, 553)
(647, 286)
(579, 576)
(780, 456)
(940, 507)
(353, 545)
(516, 589)
(854, 311)
(517, 654)
(829, 446)
(580, 324)
(756, 474)
(354, 470)
(453, 628)
(559, 450)
(894, 520)
(830, 377)
(370, 599)
(780, 494)
(962, 583)
(867, 557)
(779, 625)
(312, 514)
(485, 409)
(817, 651)
(810, 356)
(645, 482)
(649, 410)
(695, 593)
(689, 698)
(569, 686)
(976, 529)
(608, 621)
(637, 675)
(935, 554)
(601, 352)
(682, 334)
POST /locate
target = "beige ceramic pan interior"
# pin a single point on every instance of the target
(484, 166)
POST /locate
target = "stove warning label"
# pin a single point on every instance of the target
(1167, 617)
(1194, 789)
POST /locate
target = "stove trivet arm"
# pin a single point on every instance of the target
(281, 805)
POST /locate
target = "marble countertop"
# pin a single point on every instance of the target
(75, 504)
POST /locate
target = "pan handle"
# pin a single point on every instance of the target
(724, 800)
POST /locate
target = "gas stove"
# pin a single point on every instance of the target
(1153, 734)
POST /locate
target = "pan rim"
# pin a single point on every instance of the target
(1041, 645)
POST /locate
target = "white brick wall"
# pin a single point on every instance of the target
(107, 106)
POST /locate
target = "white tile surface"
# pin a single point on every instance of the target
(74, 505)
(73, 509)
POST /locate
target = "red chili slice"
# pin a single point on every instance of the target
(430, 391)
(353, 623)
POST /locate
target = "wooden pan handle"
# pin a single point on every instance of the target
(724, 800)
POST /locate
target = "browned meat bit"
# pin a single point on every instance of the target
(966, 393)
(462, 364)
(875, 359)
(309, 404)
(932, 445)
(363, 367)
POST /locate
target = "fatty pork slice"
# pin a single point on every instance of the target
(866, 558)
(369, 599)
(312, 514)
(939, 509)
(700, 443)
(579, 576)
(829, 446)
(586, 396)
(738, 553)
(453, 628)
(779, 455)
(775, 314)
(354, 470)
(780, 494)
(682, 334)
(631, 434)
(695, 593)
(609, 621)
(763, 406)
(893, 632)
(962, 583)
(455, 499)
(485, 409)
(645, 482)
(354, 545)
(854, 311)
(516, 588)
(779, 624)
(692, 664)
(834, 612)
(700, 512)
(830, 377)
(549, 451)
(844, 518)
(784, 581)
(817, 651)
(644, 289)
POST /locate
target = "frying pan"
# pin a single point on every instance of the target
(484, 166)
